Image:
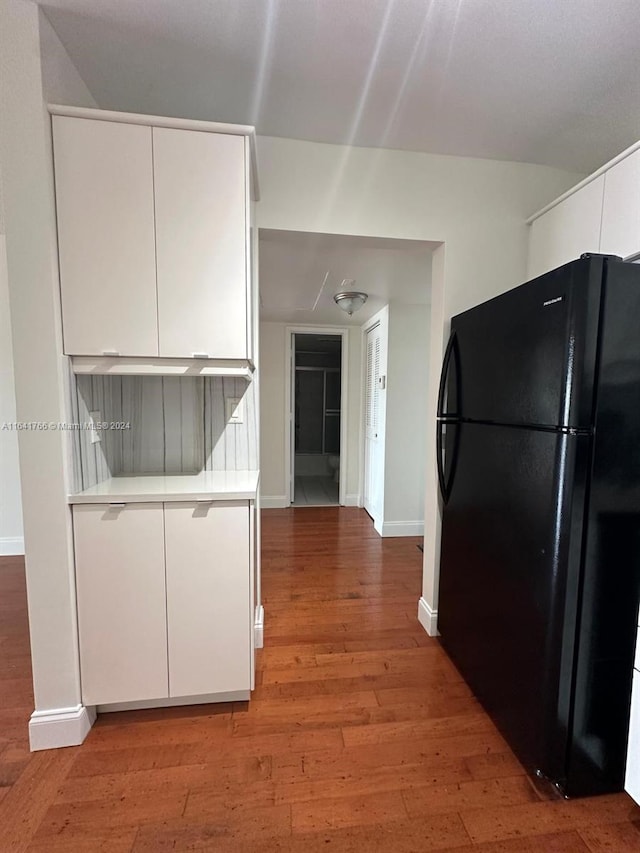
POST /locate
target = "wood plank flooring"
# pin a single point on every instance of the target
(361, 736)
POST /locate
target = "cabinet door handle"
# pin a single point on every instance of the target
(111, 352)
(200, 355)
(117, 505)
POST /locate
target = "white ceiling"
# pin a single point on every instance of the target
(543, 81)
(300, 272)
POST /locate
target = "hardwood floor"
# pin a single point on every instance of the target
(361, 736)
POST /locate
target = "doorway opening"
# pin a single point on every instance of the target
(316, 385)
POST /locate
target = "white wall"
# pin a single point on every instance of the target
(273, 423)
(406, 418)
(475, 208)
(273, 489)
(26, 166)
(61, 83)
(11, 535)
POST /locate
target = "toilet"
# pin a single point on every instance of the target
(334, 465)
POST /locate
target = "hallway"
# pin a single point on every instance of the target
(360, 735)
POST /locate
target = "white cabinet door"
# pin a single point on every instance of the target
(621, 208)
(120, 579)
(632, 777)
(208, 597)
(104, 199)
(567, 230)
(200, 204)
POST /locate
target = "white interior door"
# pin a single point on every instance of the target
(292, 419)
(373, 444)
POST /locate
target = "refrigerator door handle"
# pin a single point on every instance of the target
(445, 487)
(450, 352)
(439, 462)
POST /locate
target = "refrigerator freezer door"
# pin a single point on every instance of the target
(509, 575)
(528, 356)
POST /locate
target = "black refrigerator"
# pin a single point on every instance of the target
(539, 470)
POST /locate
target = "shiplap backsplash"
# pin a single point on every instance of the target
(177, 425)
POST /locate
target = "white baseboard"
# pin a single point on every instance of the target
(60, 727)
(428, 618)
(352, 500)
(176, 702)
(274, 502)
(11, 546)
(402, 528)
(258, 627)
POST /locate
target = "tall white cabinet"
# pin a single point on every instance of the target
(158, 279)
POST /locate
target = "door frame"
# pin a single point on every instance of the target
(381, 318)
(289, 367)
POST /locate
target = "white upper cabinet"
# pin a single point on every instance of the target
(621, 208)
(201, 230)
(104, 198)
(154, 232)
(568, 230)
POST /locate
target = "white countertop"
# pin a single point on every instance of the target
(207, 485)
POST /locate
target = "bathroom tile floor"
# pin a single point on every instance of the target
(315, 491)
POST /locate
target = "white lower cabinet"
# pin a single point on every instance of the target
(632, 778)
(121, 602)
(164, 600)
(208, 604)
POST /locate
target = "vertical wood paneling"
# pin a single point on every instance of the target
(149, 429)
(98, 406)
(229, 447)
(252, 425)
(178, 425)
(87, 453)
(183, 424)
(130, 395)
(73, 443)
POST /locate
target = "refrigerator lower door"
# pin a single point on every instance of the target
(509, 581)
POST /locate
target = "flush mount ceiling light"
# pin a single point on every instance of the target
(349, 300)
